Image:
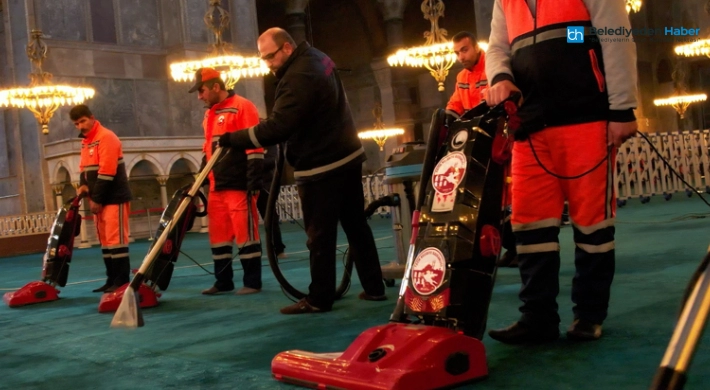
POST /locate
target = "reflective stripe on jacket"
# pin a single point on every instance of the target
(238, 169)
(102, 167)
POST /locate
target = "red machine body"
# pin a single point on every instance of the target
(32, 292)
(449, 274)
(110, 301)
(392, 356)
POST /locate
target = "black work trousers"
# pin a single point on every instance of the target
(338, 197)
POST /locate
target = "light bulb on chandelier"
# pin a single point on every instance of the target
(42, 97)
(232, 67)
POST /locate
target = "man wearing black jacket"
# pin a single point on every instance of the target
(312, 116)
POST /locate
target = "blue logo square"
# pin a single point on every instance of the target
(575, 34)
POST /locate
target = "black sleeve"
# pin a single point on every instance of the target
(255, 168)
(295, 100)
(203, 164)
(101, 189)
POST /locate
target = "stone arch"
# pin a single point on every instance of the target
(145, 157)
(181, 173)
(143, 180)
(63, 179)
(194, 162)
(62, 173)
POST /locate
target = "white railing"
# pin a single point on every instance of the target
(289, 204)
(640, 174)
(21, 225)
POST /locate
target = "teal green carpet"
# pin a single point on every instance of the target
(191, 341)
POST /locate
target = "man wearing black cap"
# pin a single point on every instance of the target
(311, 114)
(235, 181)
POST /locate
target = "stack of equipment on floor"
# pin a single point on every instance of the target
(433, 338)
(402, 172)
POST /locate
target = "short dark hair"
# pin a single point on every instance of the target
(210, 83)
(281, 36)
(77, 112)
(463, 35)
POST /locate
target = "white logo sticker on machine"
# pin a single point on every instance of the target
(447, 176)
(428, 271)
(459, 140)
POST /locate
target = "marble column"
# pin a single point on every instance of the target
(58, 189)
(163, 181)
(484, 15)
(296, 19)
(245, 31)
(393, 82)
(32, 178)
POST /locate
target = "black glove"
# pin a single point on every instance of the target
(225, 140)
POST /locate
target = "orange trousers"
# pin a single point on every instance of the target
(571, 152)
(112, 225)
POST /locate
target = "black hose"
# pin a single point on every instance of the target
(270, 223)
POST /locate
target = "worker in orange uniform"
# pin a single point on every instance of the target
(104, 181)
(235, 181)
(578, 96)
(471, 86)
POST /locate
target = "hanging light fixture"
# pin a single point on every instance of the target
(42, 97)
(694, 49)
(379, 133)
(231, 66)
(680, 102)
(633, 6)
(437, 55)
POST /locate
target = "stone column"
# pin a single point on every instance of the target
(296, 19)
(393, 82)
(58, 189)
(484, 15)
(163, 181)
(84, 238)
(32, 178)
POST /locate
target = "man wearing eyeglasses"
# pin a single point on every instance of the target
(312, 116)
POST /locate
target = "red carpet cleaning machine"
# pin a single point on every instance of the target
(160, 272)
(55, 265)
(164, 250)
(434, 336)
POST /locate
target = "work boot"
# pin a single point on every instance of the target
(582, 330)
(122, 270)
(521, 333)
(109, 276)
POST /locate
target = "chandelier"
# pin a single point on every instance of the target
(699, 48)
(680, 102)
(437, 54)
(379, 134)
(41, 96)
(231, 67)
(633, 6)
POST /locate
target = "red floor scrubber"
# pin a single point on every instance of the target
(157, 264)
(434, 336)
(55, 266)
(161, 269)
